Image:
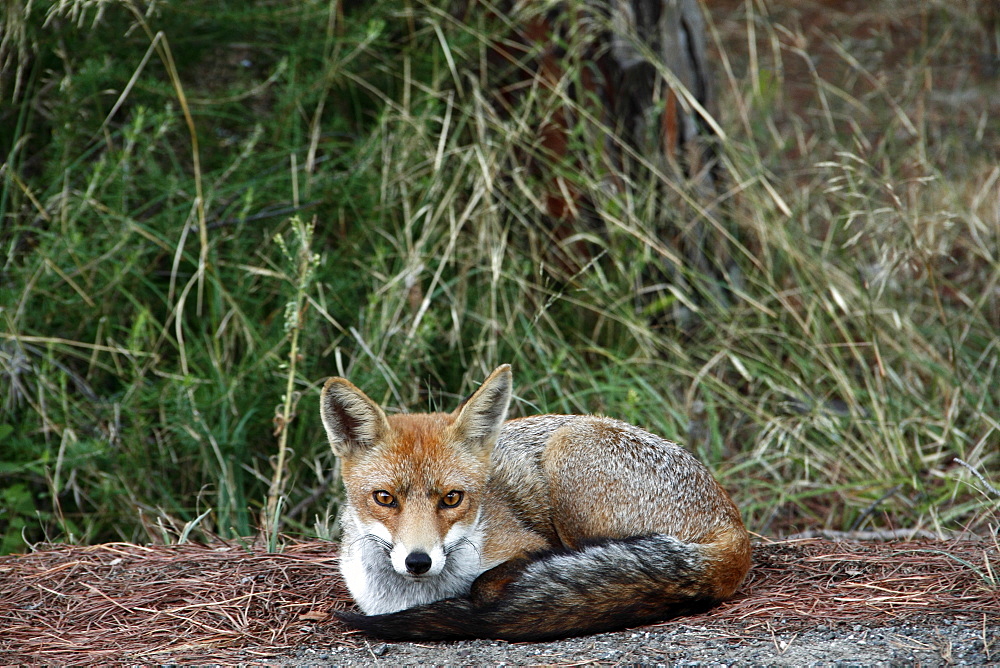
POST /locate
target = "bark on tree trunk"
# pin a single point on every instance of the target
(663, 94)
(663, 82)
(644, 65)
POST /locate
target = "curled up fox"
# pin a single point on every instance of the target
(467, 525)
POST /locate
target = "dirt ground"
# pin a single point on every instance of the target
(925, 643)
(805, 602)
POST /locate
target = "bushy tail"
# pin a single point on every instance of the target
(601, 587)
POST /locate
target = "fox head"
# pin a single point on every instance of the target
(415, 482)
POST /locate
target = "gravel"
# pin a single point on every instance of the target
(930, 642)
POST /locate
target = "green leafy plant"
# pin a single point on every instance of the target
(160, 292)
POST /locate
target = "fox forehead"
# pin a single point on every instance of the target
(417, 455)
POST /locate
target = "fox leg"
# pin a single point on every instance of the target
(491, 586)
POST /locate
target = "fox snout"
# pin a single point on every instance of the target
(418, 563)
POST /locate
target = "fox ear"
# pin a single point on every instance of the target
(352, 420)
(480, 417)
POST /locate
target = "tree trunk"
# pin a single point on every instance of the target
(640, 67)
(662, 84)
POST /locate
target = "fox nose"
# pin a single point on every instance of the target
(418, 563)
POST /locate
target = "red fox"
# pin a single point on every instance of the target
(466, 525)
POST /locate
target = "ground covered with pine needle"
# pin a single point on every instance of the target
(236, 603)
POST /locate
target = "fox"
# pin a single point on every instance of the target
(469, 525)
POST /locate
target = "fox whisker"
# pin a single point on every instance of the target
(459, 544)
(385, 545)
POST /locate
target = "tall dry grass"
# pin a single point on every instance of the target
(160, 347)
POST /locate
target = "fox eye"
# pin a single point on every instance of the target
(452, 499)
(384, 498)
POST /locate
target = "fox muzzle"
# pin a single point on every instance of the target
(418, 563)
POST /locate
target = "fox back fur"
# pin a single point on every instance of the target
(467, 525)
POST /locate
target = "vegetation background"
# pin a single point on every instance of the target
(210, 207)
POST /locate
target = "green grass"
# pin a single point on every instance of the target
(159, 346)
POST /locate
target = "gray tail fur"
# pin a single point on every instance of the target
(603, 586)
